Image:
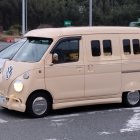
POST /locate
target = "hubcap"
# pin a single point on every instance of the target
(133, 97)
(39, 105)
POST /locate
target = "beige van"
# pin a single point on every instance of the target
(75, 66)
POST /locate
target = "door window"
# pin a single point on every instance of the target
(67, 51)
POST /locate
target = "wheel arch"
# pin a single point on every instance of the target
(45, 92)
(125, 100)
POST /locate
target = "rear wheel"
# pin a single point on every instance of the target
(131, 98)
(38, 105)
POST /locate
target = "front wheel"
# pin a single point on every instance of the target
(38, 105)
(131, 98)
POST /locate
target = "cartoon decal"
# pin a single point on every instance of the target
(9, 72)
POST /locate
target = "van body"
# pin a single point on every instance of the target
(75, 66)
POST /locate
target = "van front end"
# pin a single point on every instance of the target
(17, 82)
(12, 90)
(22, 83)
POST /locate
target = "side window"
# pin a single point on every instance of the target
(126, 46)
(107, 47)
(67, 51)
(136, 46)
(95, 48)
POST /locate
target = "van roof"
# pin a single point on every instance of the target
(67, 31)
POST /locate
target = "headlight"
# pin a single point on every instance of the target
(18, 86)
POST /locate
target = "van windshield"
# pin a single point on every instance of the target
(33, 50)
(11, 50)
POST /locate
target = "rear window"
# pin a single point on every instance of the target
(107, 47)
(126, 46)
(136, 46)
(95, 47)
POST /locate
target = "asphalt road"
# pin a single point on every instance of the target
(103, 122)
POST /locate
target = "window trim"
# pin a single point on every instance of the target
(65, 39)
(78, 38)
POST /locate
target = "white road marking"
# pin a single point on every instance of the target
(136, 109)
(58, 139)
(133, 124)
(60, 120)
(50, 139)
(104, 111)
(65, 116)
(3, 121)
(91, 113)
(56, 124)
(106, 133)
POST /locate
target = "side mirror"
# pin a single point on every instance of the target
(55, 58)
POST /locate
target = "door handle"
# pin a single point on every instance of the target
(90, 68)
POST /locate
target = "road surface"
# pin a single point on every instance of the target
(102, 122)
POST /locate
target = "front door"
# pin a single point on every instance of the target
(64, 76)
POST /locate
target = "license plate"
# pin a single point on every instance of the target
(2, 99)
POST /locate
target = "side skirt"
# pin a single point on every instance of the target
(86, 102)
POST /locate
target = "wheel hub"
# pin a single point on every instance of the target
(39, 105)
(133, 97)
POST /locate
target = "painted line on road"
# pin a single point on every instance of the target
(65, 116)
(106, 133)
(135, 109)
(57, 139)
(133, 124)
(51, 139)
(60, 120)
(3, 121)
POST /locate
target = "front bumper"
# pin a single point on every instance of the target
(12, 103)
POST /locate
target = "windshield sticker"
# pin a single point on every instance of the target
(9, 72)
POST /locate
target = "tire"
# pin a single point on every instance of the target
(131, 98)
(38, 105)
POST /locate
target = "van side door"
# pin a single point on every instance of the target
(130, 46)
(64, 76)
(103, 66)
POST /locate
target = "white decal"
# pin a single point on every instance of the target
(9, 72)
